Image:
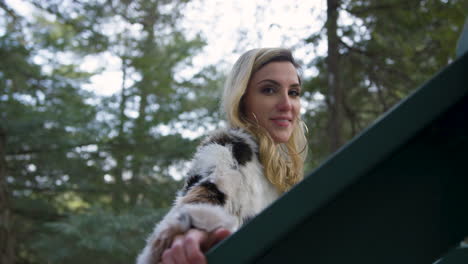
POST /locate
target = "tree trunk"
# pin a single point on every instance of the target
(335, 92)
(119, 188)
(7, 240)
(147, 84)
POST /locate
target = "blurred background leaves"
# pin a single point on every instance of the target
(84, 177)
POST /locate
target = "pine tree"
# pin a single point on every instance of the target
(385, 50)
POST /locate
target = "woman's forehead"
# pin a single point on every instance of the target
(283, 70)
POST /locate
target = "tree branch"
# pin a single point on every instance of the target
(52, 149)
(7, 9)
(355, 50)
(38, 215)
(59, 189)
(360, 11)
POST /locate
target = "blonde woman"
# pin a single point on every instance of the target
(238, 171)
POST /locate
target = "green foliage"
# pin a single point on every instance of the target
(72, 30)
(387, 49)
(89, 175)
(97, 236)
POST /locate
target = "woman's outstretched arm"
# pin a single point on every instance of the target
(218, 195)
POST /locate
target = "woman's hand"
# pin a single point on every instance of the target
(189, 248)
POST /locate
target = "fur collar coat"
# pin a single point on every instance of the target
(225, 187)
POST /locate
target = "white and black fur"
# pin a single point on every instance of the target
(225, 187)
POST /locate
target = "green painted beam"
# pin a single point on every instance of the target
(456, 256)
(393, 194)
(462, 46)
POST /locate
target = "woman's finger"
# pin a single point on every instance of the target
(167, 257)
(189, 248)
(178, 250)
(220, 234)
(215, 237)
(193, 241)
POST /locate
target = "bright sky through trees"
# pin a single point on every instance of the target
(230, 27)
(87, 175)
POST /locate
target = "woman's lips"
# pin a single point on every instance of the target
(281, 122)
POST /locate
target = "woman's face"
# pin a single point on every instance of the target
(272, 99)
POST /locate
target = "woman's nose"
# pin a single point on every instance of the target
(284, 103)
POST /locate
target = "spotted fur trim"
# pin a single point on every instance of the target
(225, 187)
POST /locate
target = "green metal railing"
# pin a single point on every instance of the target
(398, 193)
(462, 46)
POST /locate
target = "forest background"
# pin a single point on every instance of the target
(84, 177)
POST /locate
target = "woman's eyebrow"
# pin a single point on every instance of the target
(295, 85)
(269, 81)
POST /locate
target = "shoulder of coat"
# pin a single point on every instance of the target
(241, 142)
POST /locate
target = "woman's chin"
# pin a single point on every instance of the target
(280, 138)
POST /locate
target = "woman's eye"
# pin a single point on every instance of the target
(295, 93)
(268, 90)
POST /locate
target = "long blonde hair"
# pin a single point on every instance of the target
(283, 163)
